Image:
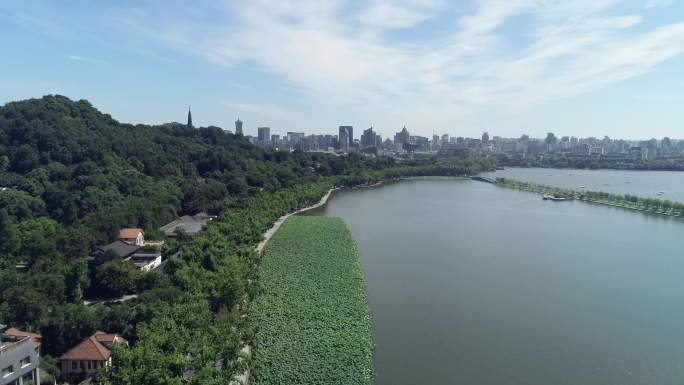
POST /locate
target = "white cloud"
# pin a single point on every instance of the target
(658, 3)
(350, 55)
(390, 14)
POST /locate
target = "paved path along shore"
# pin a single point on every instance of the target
(279, 222)
(243, 379)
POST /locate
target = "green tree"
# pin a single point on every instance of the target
(76, 280)
(9, 239)
(25, 159)
(4, 163)
(116, 278)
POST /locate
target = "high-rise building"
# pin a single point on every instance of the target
(295, 137)
(189, 118)
(238, 127)
(445, 139)
(435, 145)
(485, 138)
(369, 138)
(264, 134)
(402, 137)
(346, 137)
(460, 142)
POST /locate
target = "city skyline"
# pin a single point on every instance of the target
(390, 133)
(593, 68)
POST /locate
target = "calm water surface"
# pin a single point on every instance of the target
(642, 183)
(473, 284)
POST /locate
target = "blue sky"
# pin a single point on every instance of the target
(509, 67)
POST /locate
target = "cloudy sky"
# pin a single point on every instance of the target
(509, 67)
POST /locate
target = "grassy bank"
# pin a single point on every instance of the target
(630, 202)
(312, 318)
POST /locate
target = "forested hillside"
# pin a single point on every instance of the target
(71, 177)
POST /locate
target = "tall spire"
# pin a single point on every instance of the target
(189, 117)
(238, 126)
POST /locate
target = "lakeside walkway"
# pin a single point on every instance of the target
(243, 379)
(279, 222)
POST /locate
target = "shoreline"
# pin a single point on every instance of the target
(617, 201)
(268, 235)
(245, 377)
(324, 200)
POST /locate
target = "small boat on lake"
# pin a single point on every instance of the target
(661, 192)
(557, 198)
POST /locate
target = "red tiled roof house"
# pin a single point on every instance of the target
(132, 236)
(84, 359)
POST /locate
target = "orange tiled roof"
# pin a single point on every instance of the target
(35, 337)
(129, 233)
(88, 350)
(101, 336)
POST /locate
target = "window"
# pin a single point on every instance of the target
(26, 361)
(7, 371)
(74, 365)
(88, 365)
(27, 377)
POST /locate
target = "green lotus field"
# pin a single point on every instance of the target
(312, 318)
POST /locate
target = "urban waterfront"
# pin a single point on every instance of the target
(646, 184)
(476, 284)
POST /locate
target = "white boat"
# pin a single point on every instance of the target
(556, 198)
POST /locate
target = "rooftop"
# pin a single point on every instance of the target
(35, 337)
(120, 248)
(189, 224)
(94, 348)
(128, 233)
(9, 341)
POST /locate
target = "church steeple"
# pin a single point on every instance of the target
(189, 117)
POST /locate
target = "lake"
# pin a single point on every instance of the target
(470, 283)
(642, 183)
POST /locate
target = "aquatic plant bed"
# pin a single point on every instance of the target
(312, 318)
(629, 202)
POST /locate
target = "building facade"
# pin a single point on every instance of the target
(132, 236)
(83, 360)
(19, 357)
(263, 135)
(346, 137)
(402, 137)
(369, 138)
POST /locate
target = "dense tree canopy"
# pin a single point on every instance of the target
(71, 177)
